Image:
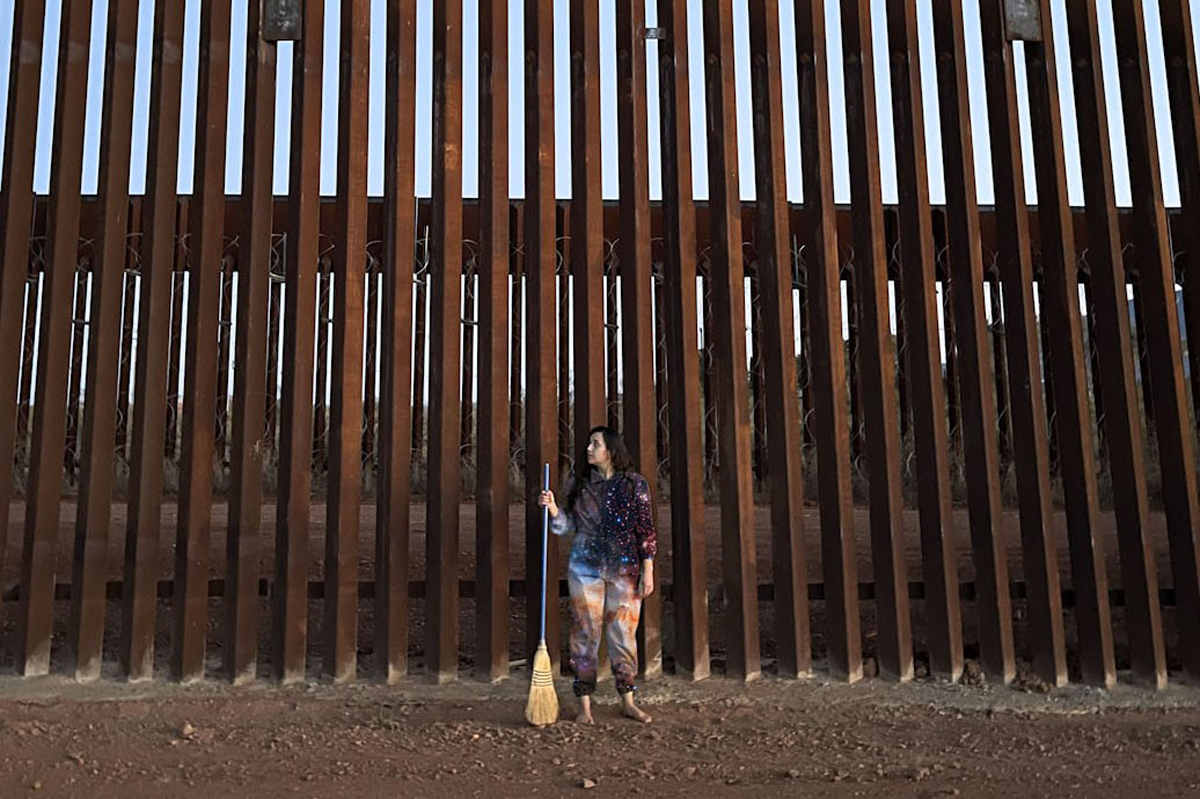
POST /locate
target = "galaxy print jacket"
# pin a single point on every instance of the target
(612, 522)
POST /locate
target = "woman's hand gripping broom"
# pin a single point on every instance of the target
(542, 707)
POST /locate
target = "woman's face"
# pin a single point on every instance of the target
(597, 451)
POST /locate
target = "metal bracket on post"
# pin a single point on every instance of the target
(1022, 20)
(655, 33)
(281, 20)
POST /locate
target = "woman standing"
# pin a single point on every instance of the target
(611, 568)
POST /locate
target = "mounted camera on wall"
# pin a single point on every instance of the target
(1022, 20)
(281, 20)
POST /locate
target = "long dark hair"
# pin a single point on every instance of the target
(622, 462)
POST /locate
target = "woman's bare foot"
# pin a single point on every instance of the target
(585, 711)
(630, 710)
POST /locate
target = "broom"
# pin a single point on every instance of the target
(542, 707)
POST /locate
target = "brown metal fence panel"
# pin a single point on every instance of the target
(1122, 414)
(443, 485)
(1184, 91)
(395, 423)
(1183, 85)
(36, 610)
(249, 451)
(492, 463)
(289, 618)
(917, 289)
(1156, 281)
(16, 217)
(161, 290)
(1072, 431)
(1031, 408)
(839, 562)
(539, 330)
(1015, 270)
(875, 363)
(192, 538)
(683, 367)
(211, 365)
(738, 558)
(777, 342)
(90, 561)
(345, 419)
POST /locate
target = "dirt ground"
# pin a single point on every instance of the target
(717, 738)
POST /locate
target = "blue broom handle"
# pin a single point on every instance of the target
(545, 546)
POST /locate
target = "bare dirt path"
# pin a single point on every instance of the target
(718, 738)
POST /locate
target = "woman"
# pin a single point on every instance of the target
(611, 568)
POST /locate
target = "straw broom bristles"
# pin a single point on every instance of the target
(542, 707)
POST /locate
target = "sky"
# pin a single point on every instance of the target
(422, 115)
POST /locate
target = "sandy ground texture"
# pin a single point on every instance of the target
(719, 738)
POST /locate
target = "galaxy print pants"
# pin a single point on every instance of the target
(601, 601)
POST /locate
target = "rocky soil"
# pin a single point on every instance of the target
(717, 738)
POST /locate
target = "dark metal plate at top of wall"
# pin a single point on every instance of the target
(1022, 20)
(281, 20)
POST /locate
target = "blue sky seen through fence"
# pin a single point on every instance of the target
(421, 113)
